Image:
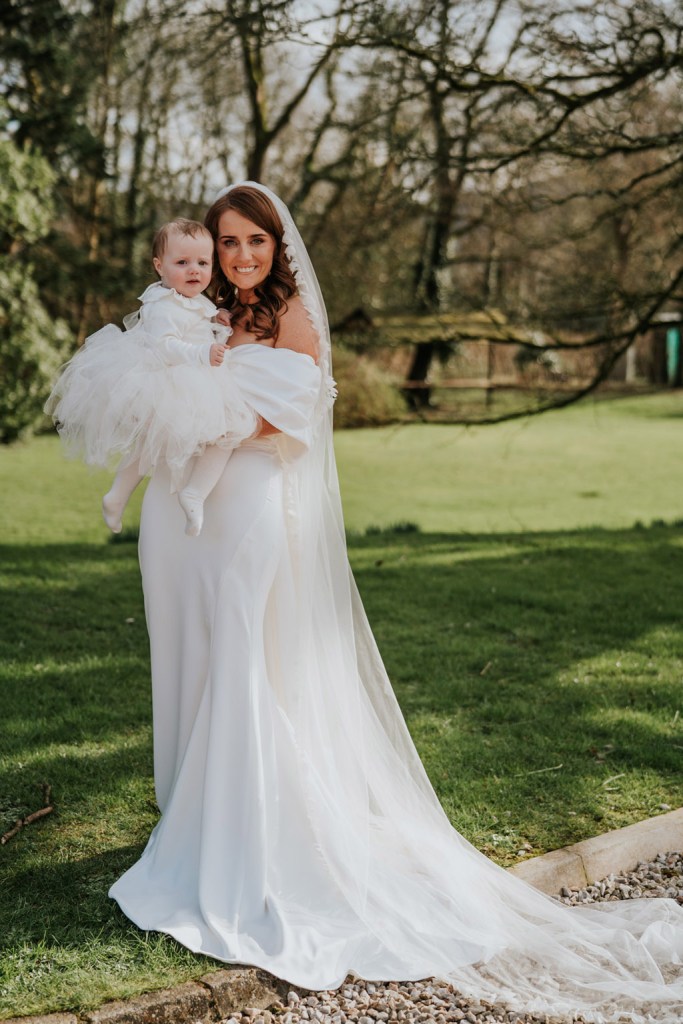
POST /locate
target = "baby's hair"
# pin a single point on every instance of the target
(190, 228)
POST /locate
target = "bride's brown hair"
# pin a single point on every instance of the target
(263, 317)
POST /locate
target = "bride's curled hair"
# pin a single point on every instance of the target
(262, 317)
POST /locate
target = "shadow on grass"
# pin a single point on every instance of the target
(74, 903)
(67, 946)
(510, 655)
(534, 668)
(76, 714)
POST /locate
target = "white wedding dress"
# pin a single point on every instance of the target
(299, 831)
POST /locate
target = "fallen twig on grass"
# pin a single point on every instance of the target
(46, 809)
(613, 778)
(538, 771)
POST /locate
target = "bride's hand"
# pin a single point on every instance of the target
(266, 429)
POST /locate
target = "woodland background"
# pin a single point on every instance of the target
(450, 155)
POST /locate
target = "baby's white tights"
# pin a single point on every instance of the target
(128, 476)
(206, 472)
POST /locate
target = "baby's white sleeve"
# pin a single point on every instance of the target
(167, 325)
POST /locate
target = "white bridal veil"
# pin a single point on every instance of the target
(428, 902)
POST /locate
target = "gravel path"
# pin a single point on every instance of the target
(363, 1002)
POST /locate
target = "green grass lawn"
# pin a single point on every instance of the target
(531, 629)
(605, 463)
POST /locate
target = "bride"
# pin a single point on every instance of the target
(299, 832)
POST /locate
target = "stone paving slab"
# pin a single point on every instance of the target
(218, 995)
(620, 850)
(188, 1002)
(232, 990)
(213, 998)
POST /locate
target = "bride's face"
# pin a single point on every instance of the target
(245, 252)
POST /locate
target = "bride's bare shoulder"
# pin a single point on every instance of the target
(296, 330)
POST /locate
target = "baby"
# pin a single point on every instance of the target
(158, 392)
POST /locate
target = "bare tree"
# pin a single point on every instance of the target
(552, 120)
(439, 155)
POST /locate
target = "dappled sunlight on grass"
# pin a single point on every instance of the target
(539, 671)
(516, 670)
(599, 463)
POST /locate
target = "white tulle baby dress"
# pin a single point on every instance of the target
(149, 392)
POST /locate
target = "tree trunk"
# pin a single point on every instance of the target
(420, 398)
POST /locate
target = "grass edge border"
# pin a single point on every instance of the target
(590, 860)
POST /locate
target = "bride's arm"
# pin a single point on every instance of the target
(297, 331)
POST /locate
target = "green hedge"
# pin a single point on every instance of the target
(32, 343)
(32, 347)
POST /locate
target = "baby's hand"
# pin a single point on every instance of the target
(217, 353)
(223, 317)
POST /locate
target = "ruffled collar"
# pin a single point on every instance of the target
(199, 303)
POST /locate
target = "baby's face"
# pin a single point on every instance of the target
(186, 263)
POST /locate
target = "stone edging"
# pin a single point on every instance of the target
(216, 996)
(583, 863)
(212, 998)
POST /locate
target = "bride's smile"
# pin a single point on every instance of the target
(245, 253)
